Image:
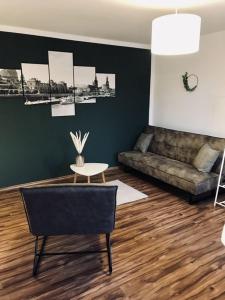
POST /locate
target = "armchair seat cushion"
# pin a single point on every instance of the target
(176, 173)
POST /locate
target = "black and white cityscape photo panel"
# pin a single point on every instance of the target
(85, 88)
(106, 85)
(61, 83)
(35, 81)
(10, 83)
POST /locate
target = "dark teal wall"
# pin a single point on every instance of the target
(35, 146)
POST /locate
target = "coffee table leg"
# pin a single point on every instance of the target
(89, 179)
(103, 177)
(75, 178)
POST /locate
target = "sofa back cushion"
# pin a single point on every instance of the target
(205, 159)
(163, 142)
(188, 146)
(183, 146)
(218, 144)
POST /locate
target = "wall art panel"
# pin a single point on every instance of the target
(62, 83)
(85, 89)
(35, 81)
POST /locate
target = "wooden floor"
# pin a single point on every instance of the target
(163, 248)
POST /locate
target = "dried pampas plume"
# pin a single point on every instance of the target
(78, 141)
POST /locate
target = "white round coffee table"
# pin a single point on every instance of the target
(88, 170)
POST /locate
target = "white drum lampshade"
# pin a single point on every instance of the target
(176, 34)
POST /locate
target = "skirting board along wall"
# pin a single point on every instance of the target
(66, 179)
(35, 146)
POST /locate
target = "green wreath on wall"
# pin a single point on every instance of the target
(186, 77)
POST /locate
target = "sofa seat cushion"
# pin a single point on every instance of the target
(174, 172)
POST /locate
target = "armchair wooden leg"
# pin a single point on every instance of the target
(108, 244)
(103, 177)
(75, 178)
(38, 254)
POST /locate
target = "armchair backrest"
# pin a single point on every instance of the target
(70, 209)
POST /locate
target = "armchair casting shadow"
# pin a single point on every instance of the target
(69, 209)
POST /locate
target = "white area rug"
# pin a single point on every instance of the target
(126, 193)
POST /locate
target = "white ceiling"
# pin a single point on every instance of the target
(122, 20)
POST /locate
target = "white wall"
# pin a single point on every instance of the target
(201, 111)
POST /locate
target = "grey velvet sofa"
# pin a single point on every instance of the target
(169, 159)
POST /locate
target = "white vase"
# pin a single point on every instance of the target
(79, 160)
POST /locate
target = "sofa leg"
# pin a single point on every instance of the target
(192, 199)
(125, 168)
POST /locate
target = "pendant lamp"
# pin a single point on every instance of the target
(176, 34)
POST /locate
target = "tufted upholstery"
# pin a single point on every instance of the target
(182, 146)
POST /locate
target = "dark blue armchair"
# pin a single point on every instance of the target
(69, 209)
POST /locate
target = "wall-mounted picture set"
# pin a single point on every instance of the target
(61, 83)
(10, 83)
(58, 83)
(35, 82)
